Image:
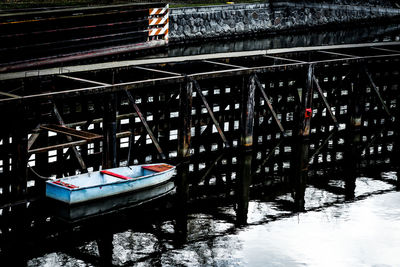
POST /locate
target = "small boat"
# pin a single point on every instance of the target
(110, 182)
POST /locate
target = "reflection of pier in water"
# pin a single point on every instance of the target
(218, 194)
(287, 132)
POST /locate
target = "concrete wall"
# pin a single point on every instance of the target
(190, 24)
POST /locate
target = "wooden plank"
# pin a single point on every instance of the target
(285, 59)
(71, 132)
(386, 50)
(129, 63)
(71, 144)
(116, 175)
(337, 54)
(224, 64)
(9, 95)
(158, 71)
(82, 80)
(59, 146)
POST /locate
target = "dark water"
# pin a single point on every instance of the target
(244, 219)
(331, 232)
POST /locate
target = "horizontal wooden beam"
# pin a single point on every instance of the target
(336, 54)
(142, 62)
(286, 59)
(9, 95)
(158, 71)
(72, 144)
(82, 80)
(225, 64)
(71, 132)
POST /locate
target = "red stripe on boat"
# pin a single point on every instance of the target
(158, 168)
(65, 184)
(115, 175)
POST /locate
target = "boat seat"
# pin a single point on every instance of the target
(115, 175)
(65, 184)
(158, 168)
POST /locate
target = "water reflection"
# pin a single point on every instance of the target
(238, 209)
(388, 32)
(356, 234)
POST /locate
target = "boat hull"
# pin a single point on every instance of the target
(93, 189)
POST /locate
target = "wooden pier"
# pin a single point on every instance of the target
(292, 105)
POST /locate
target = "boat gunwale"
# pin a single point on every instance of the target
(116, 182)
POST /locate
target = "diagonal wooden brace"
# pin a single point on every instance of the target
(377, 92)
(221, 133)
(69, 138)
(32, 139)
(328, 107)
(143, 120)
(278, 122)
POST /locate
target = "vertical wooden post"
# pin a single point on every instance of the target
(20, 159)
(396, 145)
(300, 174)
(301, 157)
(181, 198)
(248, 94)
(105, 245)
(184, 138)
(243, 187)
(353, 137)
(306, 100)
(185, 113)
(109, 132)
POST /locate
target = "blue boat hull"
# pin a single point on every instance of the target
(96, 185)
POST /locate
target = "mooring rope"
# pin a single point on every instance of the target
(38, 175)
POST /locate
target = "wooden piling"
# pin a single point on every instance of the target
(242, 191)
(301, 155)
(20, 155)
(185, 111)
(248, 101)
(352, 137)
(300, 173)
(306, 100)
(109, 132)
